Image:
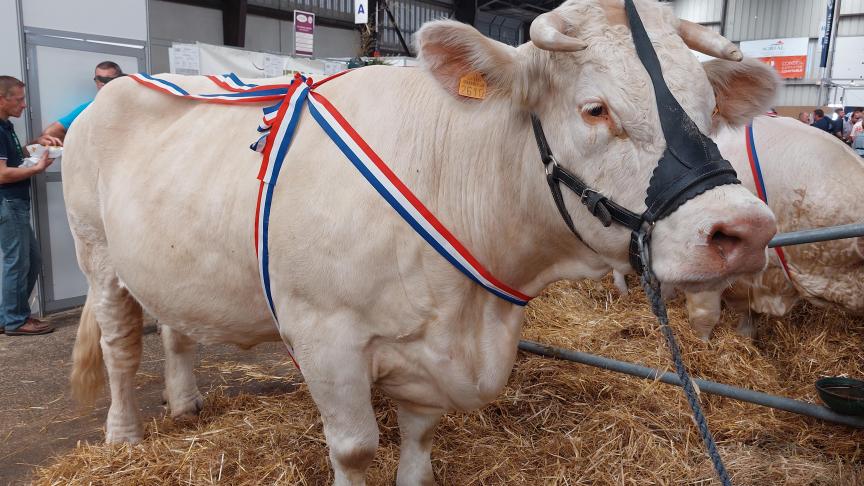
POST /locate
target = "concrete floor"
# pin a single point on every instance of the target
(38, 419)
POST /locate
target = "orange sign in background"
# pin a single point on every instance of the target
(788, 66)
(787, 56)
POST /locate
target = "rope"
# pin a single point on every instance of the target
(652, 291)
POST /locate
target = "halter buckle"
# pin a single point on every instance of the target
(550, 165)
(587, 193)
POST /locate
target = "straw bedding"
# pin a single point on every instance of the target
(556, 422)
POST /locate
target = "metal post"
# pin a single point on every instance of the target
(818, 234)
(833, 46)
(743, 394)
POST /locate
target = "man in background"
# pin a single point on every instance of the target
(21, 259)
(821, 121)
(55, 133)
(839, 126)
(804, 117)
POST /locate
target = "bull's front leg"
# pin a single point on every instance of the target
(703, 309)
(337, 370)
(417, 429)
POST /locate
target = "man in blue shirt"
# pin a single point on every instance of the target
(21, 259)
(55, 133)
(821, 121)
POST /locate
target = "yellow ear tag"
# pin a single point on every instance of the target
(472, 86)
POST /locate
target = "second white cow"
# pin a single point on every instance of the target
(812, 180)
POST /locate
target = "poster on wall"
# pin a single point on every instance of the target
(787, 56)
(304, 30)
(184, 59)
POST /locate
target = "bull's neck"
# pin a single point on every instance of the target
(493, 195)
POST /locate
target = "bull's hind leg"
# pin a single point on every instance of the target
(120, 320)
(181, 388)
(417, 429)
(112, 320)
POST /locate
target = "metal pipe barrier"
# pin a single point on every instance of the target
(818, 234)
(743, 394)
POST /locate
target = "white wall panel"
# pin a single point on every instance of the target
(66, 278)
(10, 54)
(114, 18)
(851, 7)
(173, 21)
(766, 19)
(797, 95)
(851, 25)
(263, 34)
(176, 22)
(702, 11)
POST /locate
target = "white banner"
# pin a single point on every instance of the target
(361, 11)
(256, 65)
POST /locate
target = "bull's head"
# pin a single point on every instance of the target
(602, 115)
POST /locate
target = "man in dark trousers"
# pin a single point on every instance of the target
(839, 127)
(21, 259)
(821, 121)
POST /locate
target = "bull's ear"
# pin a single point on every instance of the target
(743, 89)
(451, 50)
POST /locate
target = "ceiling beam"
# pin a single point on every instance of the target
(288, 15)
(465, 11)
(234, 22)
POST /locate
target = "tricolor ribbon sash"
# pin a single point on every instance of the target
(277, 129)
(756, 169)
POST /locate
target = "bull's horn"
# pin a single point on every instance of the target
(547, 33)
(702, 39)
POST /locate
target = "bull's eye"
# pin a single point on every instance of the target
(595, 112)
(595, 109)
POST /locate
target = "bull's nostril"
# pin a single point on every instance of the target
(724, 242)
(722, 239)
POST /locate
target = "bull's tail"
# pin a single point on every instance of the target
(88, 374)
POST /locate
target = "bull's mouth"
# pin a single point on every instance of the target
(698, 283)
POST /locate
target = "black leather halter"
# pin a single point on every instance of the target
(690, 165)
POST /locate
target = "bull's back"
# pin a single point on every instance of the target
(171, 186)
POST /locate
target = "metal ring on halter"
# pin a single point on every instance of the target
(643, 240)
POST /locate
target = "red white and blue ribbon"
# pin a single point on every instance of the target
(394, 191)
(756, 169)
(278, 127)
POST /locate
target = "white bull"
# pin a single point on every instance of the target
(161, 197)
(812, 180)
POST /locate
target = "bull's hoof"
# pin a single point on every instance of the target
(187, 409)
(121, 435)
(746, 330)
